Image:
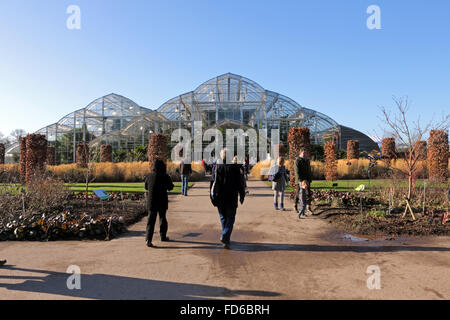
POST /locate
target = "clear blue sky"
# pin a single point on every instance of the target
(319, 53)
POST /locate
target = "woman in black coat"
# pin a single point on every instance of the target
(157, 183)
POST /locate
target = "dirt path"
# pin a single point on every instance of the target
(274, 256)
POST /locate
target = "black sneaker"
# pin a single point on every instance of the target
(149, 244)
(165, 239)
(2, 262)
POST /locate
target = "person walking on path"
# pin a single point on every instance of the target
(157, 183)
(279, 182)
(228, 185)
(302, 167)
(185, 172)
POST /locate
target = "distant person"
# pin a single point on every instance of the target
(302, 167)
(279, 182)
(185, 172)
(205, 166)
(228, 185)
(246, 167)
(157, 183)
(2, 262)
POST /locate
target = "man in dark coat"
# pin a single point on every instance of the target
(157, 183)
(228, 185)
(303, 172)
(185, 172)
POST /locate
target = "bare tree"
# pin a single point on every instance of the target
(407, 134)
(16, 134)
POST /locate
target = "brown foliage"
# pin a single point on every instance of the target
(106, 153)
(23, 157)
(82, 155)
(2, 153)
(36, 156)
(420, 149)
(352, 149)
(388, 149)
(297, 138)
(51, 156)
(438, 154)
(157, 149)
(330, 161)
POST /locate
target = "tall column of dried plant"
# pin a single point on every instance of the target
(352, 149)
(23, 157)
(2, 153)
(330, 161)
(51, 156)
(82, 156)
(297, 138)
(388, 150)
(420, 148)
(106, 153)
(157, 149)
(438, 154)
(36, 156)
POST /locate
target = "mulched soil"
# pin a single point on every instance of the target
(131, 210)
(351, 220)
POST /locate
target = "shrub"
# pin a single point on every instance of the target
(420, 149)
(388, 149)
(36, 156)
(51, 156)
(82, 156)
(157, 149)
(352, 149)
(23, 158)
(330, 161)
(2, 153)
(438, 154)
(106, 153)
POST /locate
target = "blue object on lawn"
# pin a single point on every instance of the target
(101, 193)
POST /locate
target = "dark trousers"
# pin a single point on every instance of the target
(163, 225)
(227, 217)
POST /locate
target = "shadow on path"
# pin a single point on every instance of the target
(103, 286)
(262, 247)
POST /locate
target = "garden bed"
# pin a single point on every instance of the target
(392, 225)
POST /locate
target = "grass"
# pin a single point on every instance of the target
(350, 185)
(137, 187)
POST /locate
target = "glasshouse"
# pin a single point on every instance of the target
(226, 101)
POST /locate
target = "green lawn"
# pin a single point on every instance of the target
(137, 187)
(349, 185)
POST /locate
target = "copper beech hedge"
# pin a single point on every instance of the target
(330, 161)
(157, 149)
(438, 154)
(420, 150)
(36, 156)
(51, 156)
(106, 153)
(23, 157)
(2, 153)
(352, 149)
(82, 157)
(298, 138)
(388, 149)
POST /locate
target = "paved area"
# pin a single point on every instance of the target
(274, 256)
